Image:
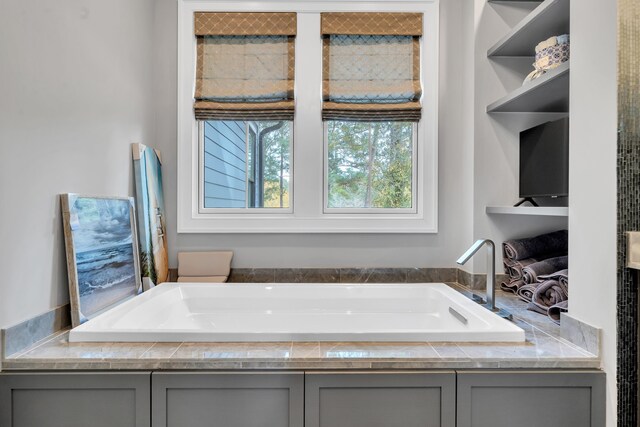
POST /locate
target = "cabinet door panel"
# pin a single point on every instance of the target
(75, 399)
(550, 399)
(413, 399)
(228, 399)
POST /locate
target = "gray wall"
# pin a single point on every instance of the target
(122, 55)
(340, 250)
(470, 177)
(74, 93)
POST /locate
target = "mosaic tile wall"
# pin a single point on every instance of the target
(628, 205)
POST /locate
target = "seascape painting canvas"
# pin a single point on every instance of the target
(101, 253)
(154, 260)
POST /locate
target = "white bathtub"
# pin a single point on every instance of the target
(175, 312)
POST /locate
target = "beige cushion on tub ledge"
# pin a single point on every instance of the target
(204, 264)
(203, 279)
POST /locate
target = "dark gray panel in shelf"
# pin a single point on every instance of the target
(551, 18)
(547, 94)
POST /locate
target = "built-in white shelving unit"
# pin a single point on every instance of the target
(528, 210)
(551, 18)
(546, 94)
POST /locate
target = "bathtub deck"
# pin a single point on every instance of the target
(255, 312)
(542, 349)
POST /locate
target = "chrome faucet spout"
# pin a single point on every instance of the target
(491, 268)
(472, 251)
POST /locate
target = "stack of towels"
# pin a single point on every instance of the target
(538, 272)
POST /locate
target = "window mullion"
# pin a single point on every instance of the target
(308, 139)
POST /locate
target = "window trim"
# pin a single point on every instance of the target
(307, 214)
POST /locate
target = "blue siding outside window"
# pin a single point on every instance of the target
(225, 167)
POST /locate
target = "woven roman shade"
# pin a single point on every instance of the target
(371, 66)
(245, 66)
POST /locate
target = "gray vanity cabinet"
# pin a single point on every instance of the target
(75, 399)
(531, 399)
(199, 399)
(497, 398)
(411, 399)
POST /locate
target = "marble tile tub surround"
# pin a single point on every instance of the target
(343, 275)
(359, 275)
(16, 338)
(478, 281)
(23, 335)
(543, 349)
(579, 333)
(19, 337)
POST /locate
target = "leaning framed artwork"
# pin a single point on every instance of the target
(102, 253)
(147, 167)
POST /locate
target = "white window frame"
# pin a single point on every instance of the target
(307, 213)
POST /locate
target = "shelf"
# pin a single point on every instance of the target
(528, 210)
(551, 18)
(514, 1)
(546, 94)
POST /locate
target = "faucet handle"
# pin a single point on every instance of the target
(477, 298)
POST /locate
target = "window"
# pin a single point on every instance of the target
(371, 91)
(244, 90)
(245, 164)
(370, 165)
(353, 149)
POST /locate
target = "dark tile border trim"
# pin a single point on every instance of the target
(19, 337)
(360, 275)
(342, 275)
(478, 281)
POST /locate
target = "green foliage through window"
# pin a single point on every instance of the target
(370, 164)
(277, 146)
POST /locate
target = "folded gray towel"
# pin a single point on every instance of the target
(550, 243)
(555, 310)
(525, 292)
(536, 308)
(560, 275)
(532, 272)
(514, 268)
(512, 285)
(549, 293)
